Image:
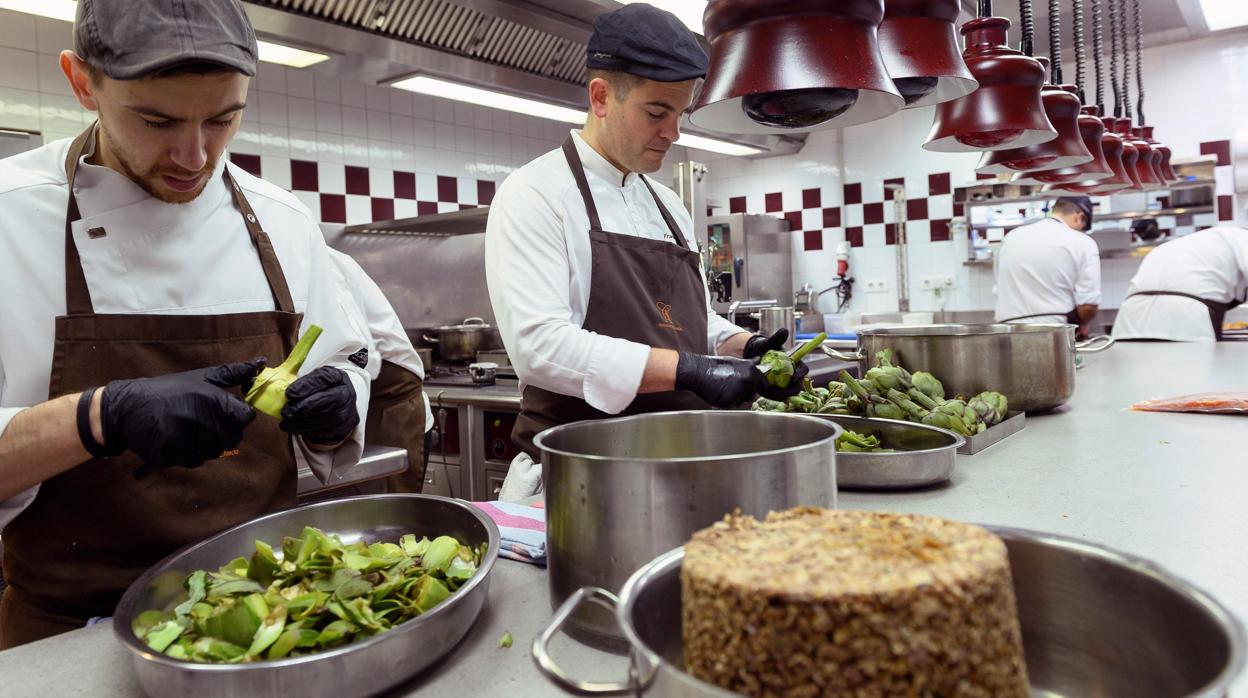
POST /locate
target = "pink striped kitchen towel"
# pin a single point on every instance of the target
(522, 529)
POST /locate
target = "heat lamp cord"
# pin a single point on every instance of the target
(1028, 24)
(1114, 82)
(1098, 40)
(1139, 59)
(1080, 55)
(1126, 62)
(1055, 43)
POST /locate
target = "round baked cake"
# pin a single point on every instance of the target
(814, 602)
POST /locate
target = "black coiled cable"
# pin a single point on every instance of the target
(1126, 62)
(1113, 57)
(1028, 24)
(1139, 59)
(1097, 47)
(1055, 43)
(1080, 54)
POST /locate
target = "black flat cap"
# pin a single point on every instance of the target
(1083, 203)
(645, 41)
(130, 39)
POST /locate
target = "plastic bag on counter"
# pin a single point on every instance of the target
(1206, 403)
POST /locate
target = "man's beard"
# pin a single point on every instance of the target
(144, 180)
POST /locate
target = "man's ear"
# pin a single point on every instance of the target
(75, 70)
(600, 93)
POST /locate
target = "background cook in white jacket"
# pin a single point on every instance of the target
(388, 339)
(1050, 271)
(1210, 264)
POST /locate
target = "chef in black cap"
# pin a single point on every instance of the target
(142, 274)
(1050, 271)
(593, 268)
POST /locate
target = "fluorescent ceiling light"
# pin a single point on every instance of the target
(52, 9)
(715, 146)
(66, 9)
(1224, 14)
(459, 92)
(687, 11)
(288, 55)
(488, 98)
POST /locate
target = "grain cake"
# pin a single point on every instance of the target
(813, 602)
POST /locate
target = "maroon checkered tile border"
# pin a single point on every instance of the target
(359, 186)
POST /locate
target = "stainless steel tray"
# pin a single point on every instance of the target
(1012, 424)
(360, 669)
(924, 455)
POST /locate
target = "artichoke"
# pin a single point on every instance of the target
(781, 368)
(928, 385)
(764, 405)
(854, 442)
(920, 397)
(913, 411)
(990, 406)
(943, 420)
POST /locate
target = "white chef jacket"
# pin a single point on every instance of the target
(156, 258)
(538, 266)
(1211, 264)
(1046, 267)
(387, 339)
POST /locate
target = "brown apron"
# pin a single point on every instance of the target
(94, 529)
(643, 290)
(396, 417)
(1217, 309)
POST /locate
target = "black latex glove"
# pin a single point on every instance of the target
(320, 407)
(180, 419)
(725, 381)
(758, 345)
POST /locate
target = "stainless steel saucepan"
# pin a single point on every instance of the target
(462, 342)
(1033, 365)
(620, 491)
(1095, 621)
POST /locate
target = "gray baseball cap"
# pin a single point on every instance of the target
(129, 39)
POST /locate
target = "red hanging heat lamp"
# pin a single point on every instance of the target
(1164, 169)
(1061, 107)
(1112, 145)
(1092, 131)
(1110, 142)
(1148, 167)
(1130, 152)
(1006, 110)
(787, 66)
(919, 43)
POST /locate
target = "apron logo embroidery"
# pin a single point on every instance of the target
(665, 310)
(96, 233)
(359, 358)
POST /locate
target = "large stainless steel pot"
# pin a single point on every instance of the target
(462, 342)
(620, 491)
(1033, 365)
(361, 669)
(1095, 621)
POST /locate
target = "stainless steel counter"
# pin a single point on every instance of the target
(1168, 487)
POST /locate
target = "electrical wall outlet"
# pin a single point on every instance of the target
(877, 286)
(938, 281)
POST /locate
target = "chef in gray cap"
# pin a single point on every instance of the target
(142, 276)
(593, 268)
(1050, 270)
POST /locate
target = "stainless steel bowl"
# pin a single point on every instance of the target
(1095, 621)
(359, 669)
(923, 455)
(1033, 365)
(620, 491)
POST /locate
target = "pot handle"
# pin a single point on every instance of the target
(1095, 344)
(473, 321)
(541, 654)
(427, 338)
(856, 356)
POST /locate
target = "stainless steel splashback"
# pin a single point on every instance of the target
(430, 276)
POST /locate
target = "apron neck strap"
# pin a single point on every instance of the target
(667, 216)
(78, 296)
(578, 173)
(595, 223)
